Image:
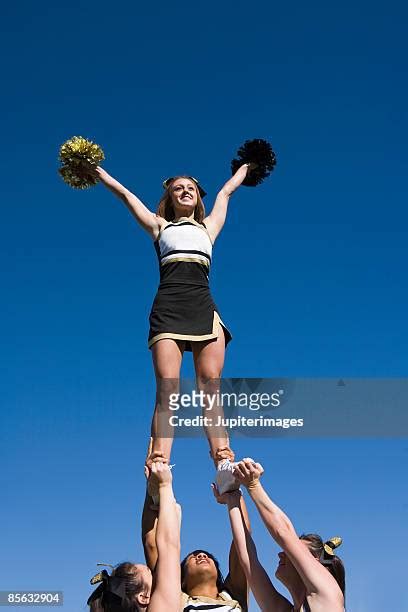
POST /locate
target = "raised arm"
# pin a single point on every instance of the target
(150, 511)
(216, 219)
(265, 593)
(166, 591)
(236, 581)
(317, 580)
(148, 220)
(149, 527)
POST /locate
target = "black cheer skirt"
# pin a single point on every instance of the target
(185, 312)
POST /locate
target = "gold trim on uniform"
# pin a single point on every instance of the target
(215, 333)
(170, 259)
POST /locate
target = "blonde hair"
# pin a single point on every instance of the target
(165, 207)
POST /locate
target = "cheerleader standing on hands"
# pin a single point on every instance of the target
(184, 315)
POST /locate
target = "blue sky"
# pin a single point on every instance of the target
(309, 272)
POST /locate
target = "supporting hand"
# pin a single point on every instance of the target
(248, 473)
(160, 474)
(225, 498)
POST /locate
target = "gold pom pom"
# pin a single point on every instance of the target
(79, 149)
(77, 178)
(79, 156)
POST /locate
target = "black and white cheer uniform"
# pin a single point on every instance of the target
(223, 603)
(183, 308)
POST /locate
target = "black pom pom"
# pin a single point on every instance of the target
(259, 153)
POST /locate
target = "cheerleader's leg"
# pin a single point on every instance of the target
(209, 361)
(167, 357)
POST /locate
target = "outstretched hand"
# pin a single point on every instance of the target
(241, 174)
(248, 473)
(238, 178)
(160, 474)
(85, 169)
(225, 497)
(152, 483)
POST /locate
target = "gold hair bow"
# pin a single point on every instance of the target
(100, 575)
(331, 544)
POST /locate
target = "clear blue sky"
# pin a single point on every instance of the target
(309, 272)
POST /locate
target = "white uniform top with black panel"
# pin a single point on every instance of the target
(183, 308)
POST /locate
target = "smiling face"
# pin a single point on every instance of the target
(199, 568)
(183, 192)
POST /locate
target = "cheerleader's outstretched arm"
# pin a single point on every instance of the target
(145, 217)
(167, 589)
(315, 577)
(149, 527)
(150, 512)
(267, 597)
(216, 219)
(236, 581)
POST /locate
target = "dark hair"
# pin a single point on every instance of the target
(127, 575)
(165, 207)
(220, 577)
(333, 563)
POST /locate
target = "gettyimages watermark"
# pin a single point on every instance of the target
(214, 404)
(267, 407)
